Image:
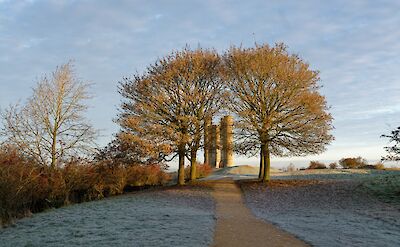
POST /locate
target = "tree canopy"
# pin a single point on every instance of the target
(50, 126)
(274, 96)
(393, 152)
(170, 101)
(277, 104)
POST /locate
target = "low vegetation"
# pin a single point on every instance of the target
(333, 165)
(379, 166)
(290, 168)
(316, 165)
(27, 187)
(360, 163)
(202, 170)
(348, 163)
(353, 163)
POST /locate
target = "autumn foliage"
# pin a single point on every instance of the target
(26, 187)
(202, 170)
(166, 106)
(316, 165)
(275, 96)
(353, 163)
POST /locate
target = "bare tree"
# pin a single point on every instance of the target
(172, 99)
(393, 152)
(50, 127)
(276, 100)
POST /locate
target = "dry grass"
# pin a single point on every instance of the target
(278, 183)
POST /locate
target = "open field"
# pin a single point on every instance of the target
(171, 217)
(321, 207)
(331, 207)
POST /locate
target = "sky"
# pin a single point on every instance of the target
(354, 44)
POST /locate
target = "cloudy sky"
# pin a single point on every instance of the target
(354, 44)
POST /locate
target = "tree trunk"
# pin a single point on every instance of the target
(261, 172)
(54, 149)
(267, 165)
(206, 156)
(193, 161)
(181, 170)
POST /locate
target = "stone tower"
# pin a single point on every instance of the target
(215, 153)
(207, 138)
(226, 141)
(218, 143)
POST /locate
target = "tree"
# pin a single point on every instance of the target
(132, 148)
(393, 151)
(171, 101)
(333, 165)
(276, 101)
(353, 163)
(316, 165)
(50, 127)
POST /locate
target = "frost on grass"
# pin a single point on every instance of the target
(333, 212)
(174, 217)
(386, 188)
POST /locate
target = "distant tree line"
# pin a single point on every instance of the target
(347, 163)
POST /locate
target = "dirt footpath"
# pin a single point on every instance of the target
(236, 225)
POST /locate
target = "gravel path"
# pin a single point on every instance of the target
(331, 213)
(236, 225)
(172, 217)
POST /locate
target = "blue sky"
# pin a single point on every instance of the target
(354, 44)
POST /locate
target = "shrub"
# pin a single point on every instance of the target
(291, 168)
(144, 175)
(202, 170)
(109, 179)
(22, 184)
(333, 165)
(80, 179)
(353, 163)
(26, 187)
(57, 190)
(316, 165)
(379, 166)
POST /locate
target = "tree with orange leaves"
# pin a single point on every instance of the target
(171, 100)
(277, 104)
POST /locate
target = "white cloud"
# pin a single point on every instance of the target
(353, 43)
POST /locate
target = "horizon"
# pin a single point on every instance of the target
(353, 45)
